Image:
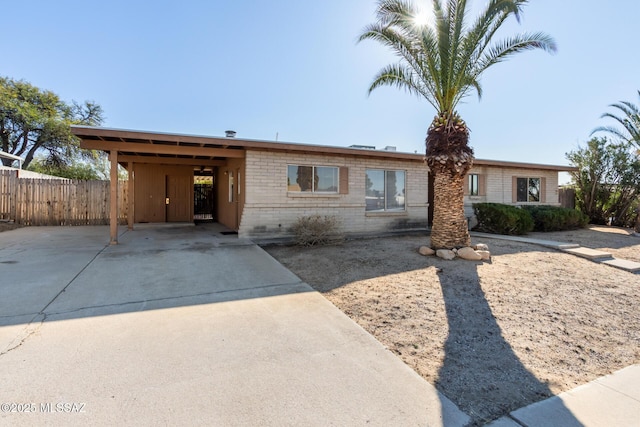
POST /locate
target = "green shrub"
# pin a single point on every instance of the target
(317, 230)
(554, 218)
(497, 218)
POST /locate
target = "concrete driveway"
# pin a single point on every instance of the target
(185, 326)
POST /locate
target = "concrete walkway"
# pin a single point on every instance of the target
(612, 400)
(184, 326)
(571, 248)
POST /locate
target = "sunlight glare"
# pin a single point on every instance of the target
(423, 18)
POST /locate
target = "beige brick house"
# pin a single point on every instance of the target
(260, 188)
(511, 183)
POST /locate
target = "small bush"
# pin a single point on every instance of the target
(497, 218)
(317, 230)
(554, 218)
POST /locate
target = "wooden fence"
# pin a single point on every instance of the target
(29, 201)
(567, 197)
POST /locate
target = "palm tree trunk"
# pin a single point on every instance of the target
(449, 158)
(450, 228)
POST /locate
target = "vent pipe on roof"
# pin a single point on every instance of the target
(230, 133)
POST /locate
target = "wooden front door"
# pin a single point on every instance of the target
(178, 199)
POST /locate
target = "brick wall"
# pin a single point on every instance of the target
(270, 210)
(499, 186)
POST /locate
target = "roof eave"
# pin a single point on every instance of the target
(90, 132)
(502, 163)
(102, 133)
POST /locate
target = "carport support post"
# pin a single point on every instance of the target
(113, 208)
(130, 183)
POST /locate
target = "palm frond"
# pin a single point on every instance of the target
(611, 130)
(405, 48)
(396, 13)
(630, 121)
(488, 23)
(503, 49)
(443, 62)
(457, 11)
(404, 78)
(627, 108)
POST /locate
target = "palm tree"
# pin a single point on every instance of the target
(443, 64)
(630, 122)
(630, 134)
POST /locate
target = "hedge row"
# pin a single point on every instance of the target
(497, 218)
(553, 218)
(502, 219)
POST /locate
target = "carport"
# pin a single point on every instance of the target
(161, 169)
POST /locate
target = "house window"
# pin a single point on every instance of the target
(385, 190)
(528, 190)
(314, 179)
(474, 184)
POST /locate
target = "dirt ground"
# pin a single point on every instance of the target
(492, 336)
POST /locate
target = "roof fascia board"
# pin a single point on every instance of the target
(161, 149)
(507, 164)
(123, 134)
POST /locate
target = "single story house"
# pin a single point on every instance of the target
(260, 188)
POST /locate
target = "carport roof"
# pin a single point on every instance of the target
(213, 150)
(176, 146)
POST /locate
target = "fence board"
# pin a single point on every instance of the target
(30, 201)
(8, 181)
(567, 197)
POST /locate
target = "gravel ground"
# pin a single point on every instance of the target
(492, 336)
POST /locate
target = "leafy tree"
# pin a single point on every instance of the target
(34, 121)
(607, 182)
(443, 64)
(630, 121)
(75, 170)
